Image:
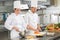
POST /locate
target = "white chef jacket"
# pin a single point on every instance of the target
(17, 21)
(32, 19)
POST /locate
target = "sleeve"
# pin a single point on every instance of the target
(38, 22)
(26, 18)
(8, 23)
(24, 24)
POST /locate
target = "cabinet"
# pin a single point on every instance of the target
(40, 2)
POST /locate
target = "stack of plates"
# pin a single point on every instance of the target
(50, 33)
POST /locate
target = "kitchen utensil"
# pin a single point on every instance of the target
(22, 34)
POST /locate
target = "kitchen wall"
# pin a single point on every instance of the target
(6, 6)
(1, 17)
(57, 2)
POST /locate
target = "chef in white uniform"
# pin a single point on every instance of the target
(32, 19)
(15, 22)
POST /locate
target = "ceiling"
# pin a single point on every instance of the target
(6, 0)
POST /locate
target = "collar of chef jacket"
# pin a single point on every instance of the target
(31, 12)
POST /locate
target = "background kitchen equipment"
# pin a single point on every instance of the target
(5, 15)
(53, 11)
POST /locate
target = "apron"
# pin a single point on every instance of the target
(17, 21)
(33, 23)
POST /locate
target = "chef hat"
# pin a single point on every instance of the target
(17, 4)
(34, 3)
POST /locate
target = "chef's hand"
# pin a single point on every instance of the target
(36, 30)
(39, 27)
(16, 28)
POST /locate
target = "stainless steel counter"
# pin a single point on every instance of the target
(5, 36)
(2, 28)
(40, 38)
(45, 37)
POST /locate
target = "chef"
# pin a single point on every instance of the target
(15, 22)
(32, 19)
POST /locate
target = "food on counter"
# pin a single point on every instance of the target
(53, 27)
(36, 32)
(39, 33)
(29, 37)
(50, 28)
(57, 27)
(57, 30)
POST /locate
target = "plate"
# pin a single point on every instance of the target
(50, 33)
(29, 37)
(40, 34)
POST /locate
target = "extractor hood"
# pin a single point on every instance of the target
(38, 0)
(24, 6)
